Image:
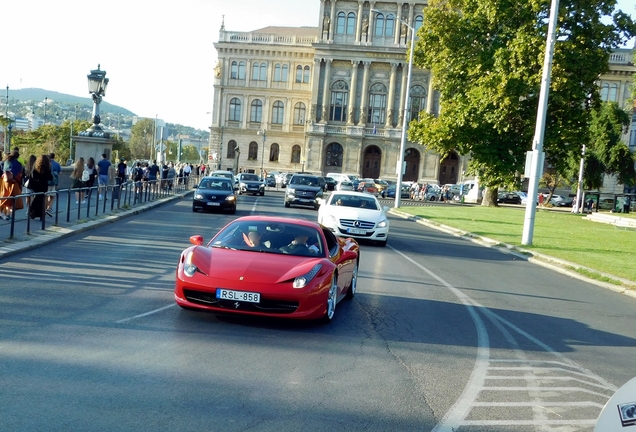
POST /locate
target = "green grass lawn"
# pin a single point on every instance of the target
(556, 233)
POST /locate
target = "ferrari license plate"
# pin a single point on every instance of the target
(250, 297)
(356, 231)
(211, 203)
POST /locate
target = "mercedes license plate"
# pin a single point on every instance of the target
(356, 231)
(250, 297)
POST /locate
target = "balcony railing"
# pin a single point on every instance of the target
(621, 56)
(358, 131)
(266, 38)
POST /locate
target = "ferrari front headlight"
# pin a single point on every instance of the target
(189, 269)
(302, 281)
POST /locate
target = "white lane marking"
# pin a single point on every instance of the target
(121, 321)
(458, 412)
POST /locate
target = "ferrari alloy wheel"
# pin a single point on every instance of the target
(332, 298)
(354, 282)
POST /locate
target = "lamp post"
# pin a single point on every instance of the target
(97, 84)
(6, 116)
(400, 166)
(262, 132)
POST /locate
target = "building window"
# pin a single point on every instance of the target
(339, 100)
(256, 111)
(299, 74)
(306, 71)
(351, 23)
(235, 109)
(613, 93)
(377, 104)
(295, 155)
(259, 71)
(379, 24)
(278, 110)
(417, 102)
(252, 153)
(340, 23)
(334, 155)
(299, 113)
(231, 149)
(281, 72)
(418, 22)
(237, 70)
(389, 25)
(273, 153)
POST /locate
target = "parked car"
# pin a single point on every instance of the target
(344, 185)
(561, 201)
(381, 185)
(303, 189)
(355, 214)
(390, 191)
(300, 270)
(250, 183)
(367, 185)
(214, 193)
(330, 183)
(508, 198)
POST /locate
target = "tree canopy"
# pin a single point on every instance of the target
(486, 57)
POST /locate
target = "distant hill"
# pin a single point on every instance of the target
(36, 94)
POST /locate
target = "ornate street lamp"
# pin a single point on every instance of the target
(97, 83)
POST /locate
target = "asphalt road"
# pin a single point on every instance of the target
(443, 334)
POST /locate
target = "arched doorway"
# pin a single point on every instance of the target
(412, 160)
(448, 169)
(371, 162)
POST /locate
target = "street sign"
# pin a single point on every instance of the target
(210, 157)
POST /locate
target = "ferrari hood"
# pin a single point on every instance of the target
(257, 267)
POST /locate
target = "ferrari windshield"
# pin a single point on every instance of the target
(270, 237)
(215, 184)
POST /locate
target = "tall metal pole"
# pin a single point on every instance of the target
(46, 100)
(537, 145)
(6, 116)
(400, 167)
(578, 204)
(263, 133)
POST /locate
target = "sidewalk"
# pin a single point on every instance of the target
(28, 233)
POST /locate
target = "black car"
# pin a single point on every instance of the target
(303, 189)
(270, 180)
(214, 193)
(250, 183)
(330, 183)
(508, 198)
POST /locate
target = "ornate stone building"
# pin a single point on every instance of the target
(329, 98)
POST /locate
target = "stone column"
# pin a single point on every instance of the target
(365, 92)
(431, 92)
(352, 92)
(398, 24)
(333, 20)
(326, 91)
(391, 98)
(371, 23)
(411, 23)
(359, 22)
(315, 85)
(405, 73)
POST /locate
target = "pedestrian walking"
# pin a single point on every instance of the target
(80, 176)
(26, 173)
(39, 183)
(56, 169)
(11, 185)
(103, 168)
(92, 176)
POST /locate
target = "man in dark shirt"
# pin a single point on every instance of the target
(153, 171)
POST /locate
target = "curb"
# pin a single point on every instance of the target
(53, 233)
(627, 287)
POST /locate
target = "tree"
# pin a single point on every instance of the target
(487, 58)
(48, 138)
(141, 136)
(606, 153)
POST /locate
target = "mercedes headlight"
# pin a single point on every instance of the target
(382, 224)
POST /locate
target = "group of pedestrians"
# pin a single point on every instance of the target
(36, 176)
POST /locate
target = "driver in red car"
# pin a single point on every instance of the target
(299, 246)
(253, 240)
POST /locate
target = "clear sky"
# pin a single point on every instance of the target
(158, 55)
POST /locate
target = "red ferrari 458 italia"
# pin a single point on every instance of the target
(268, 266)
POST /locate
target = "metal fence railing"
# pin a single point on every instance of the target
(71, 205)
